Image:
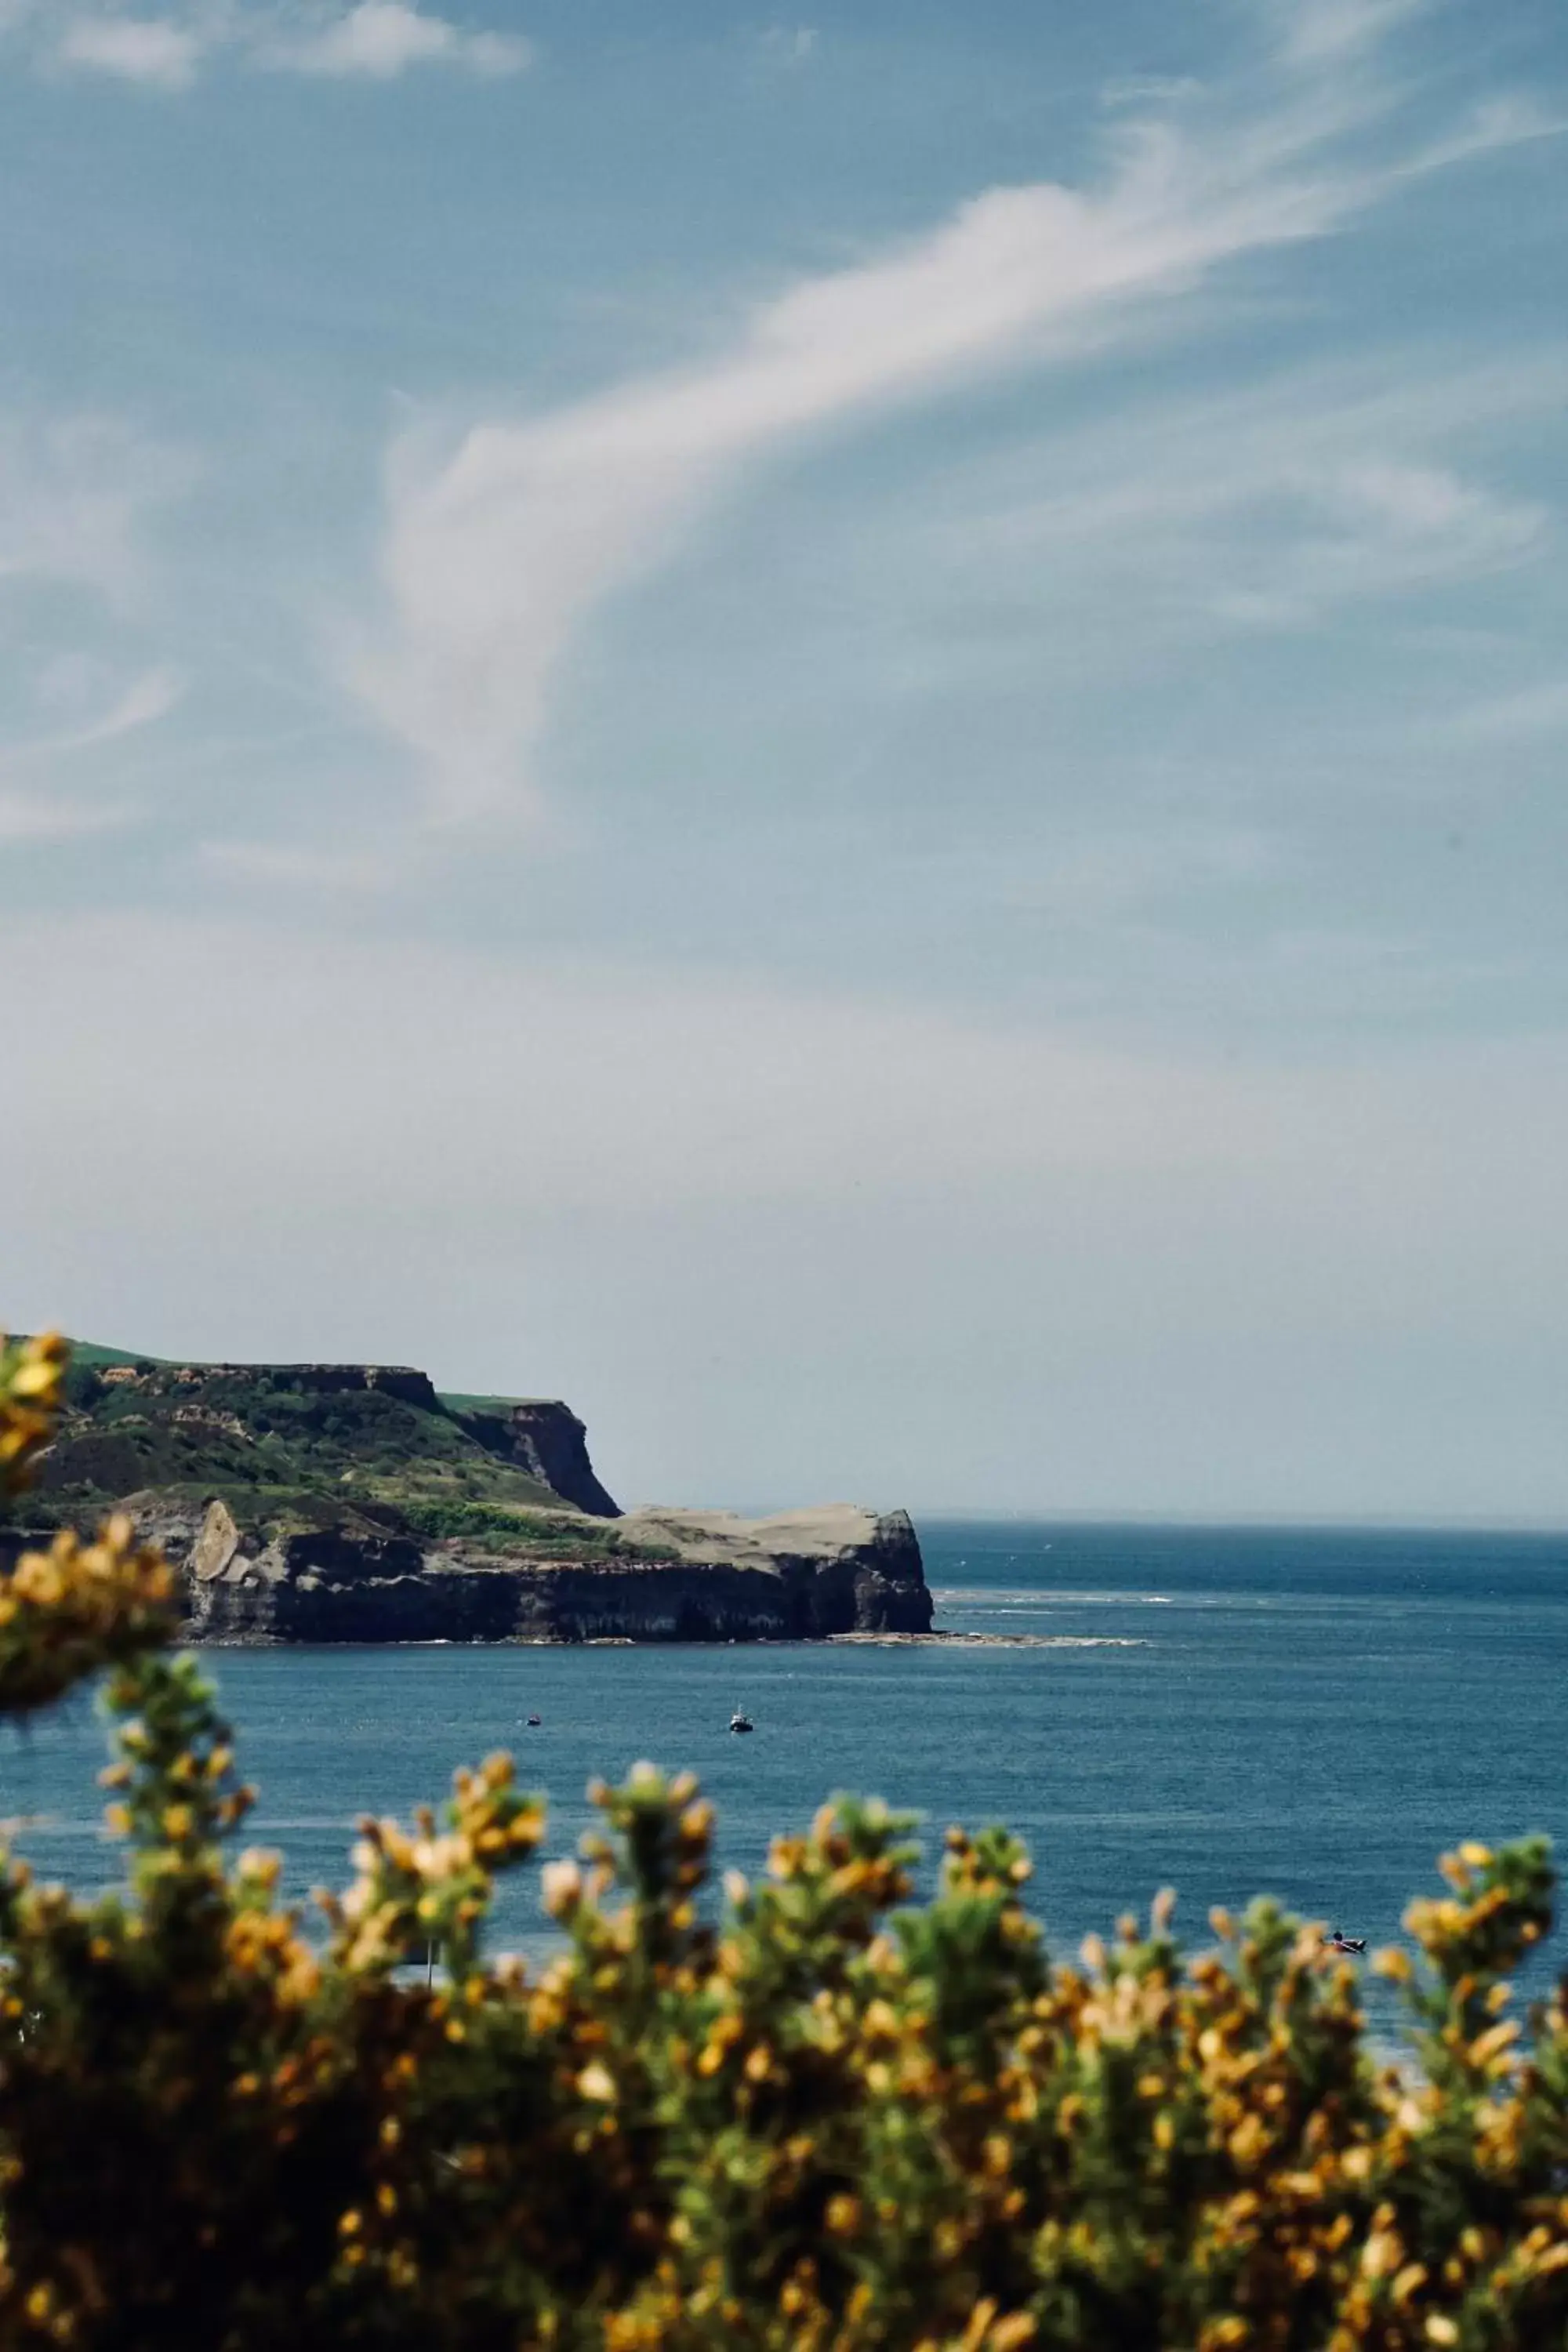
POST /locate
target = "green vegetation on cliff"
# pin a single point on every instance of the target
(503, 1528)
(289, 1445)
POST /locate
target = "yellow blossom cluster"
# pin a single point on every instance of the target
(433, 1886)
(66, 1611)
(32, 1385)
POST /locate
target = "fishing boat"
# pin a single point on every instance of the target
(741, 1721)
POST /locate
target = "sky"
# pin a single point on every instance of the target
(842, 732)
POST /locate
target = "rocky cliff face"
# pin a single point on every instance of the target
(666, 1576)
(544, 1438)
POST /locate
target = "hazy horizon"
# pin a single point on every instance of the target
(841, 733)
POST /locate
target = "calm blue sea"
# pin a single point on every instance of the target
(1317, 1713)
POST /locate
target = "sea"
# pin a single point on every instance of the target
(1314, 1713)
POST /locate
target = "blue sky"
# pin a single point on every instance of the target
(844, 732)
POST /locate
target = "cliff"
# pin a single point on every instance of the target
(353, 1503)
(656, 1576)
(542, 1438)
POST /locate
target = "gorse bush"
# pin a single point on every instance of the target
(829, 2119)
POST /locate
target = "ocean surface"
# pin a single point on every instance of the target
(1314, 1713)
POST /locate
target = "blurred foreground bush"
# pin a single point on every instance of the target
(828, 2121)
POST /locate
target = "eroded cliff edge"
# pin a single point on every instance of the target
(353, 1503)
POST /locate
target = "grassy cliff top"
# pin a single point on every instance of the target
(366, 1439)
(98, 1358)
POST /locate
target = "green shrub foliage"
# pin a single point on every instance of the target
(824, 2119)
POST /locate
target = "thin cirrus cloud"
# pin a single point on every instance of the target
(371, 40)
(1318, 30)
(496, 553)
(1365, 477)
(146, 700)
(75, 496)
(1385, 526)
(31, 813)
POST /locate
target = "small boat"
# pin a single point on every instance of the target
(739, 1721)
(1339, 1942)
(534, 1721)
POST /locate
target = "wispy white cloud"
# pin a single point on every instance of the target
(378, 39)
(57, 809)
(153, 50)
(1374, 528)
(1323, 32)
(373, 40)
(1267, 507)
(1342, 533)
(142, 703)
(1515, 120)
(75, 496)
(497, 552)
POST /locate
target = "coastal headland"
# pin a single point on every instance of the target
(356, 1503)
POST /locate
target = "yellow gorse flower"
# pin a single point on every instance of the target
(32, 1382)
